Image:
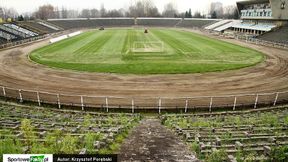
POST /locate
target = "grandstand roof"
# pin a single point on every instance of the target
(252, 2)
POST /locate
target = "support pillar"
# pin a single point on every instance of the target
(82, 103)
(107, 106)
(38, 99)
(211, 103)
(20, 96)
(276, 98)
(132, 104)
(58, 101)
(256, 101)
(235, 102)
(159, 105)
(4, 91)
(186, 105)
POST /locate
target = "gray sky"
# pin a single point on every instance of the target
(23, 6)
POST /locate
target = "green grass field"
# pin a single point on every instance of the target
(130, 51)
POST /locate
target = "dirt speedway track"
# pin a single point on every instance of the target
(270, 76)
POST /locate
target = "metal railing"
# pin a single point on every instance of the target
(263, 42)
(19, 42)
(159, 104)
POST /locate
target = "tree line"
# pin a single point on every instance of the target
(141, 8)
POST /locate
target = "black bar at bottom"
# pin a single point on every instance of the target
(84, 158)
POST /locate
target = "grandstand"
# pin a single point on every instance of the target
(239, 136)
(279, 36)
(258, 17)
(126, 22)
(24, 31)
(195, 23)
(89, 132)
(170, 22)
(33, 25)
(91, 23)
(217, 24)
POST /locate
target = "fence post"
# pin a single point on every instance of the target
(276, 98)
(4, 91)
(20, 95)
(159, 105)
(186, 105)
(132, 105)
(58, 101)
(107, 106)
(235, 101)
(256, 101)
(38, 99)
(211, 103)
(82, 103)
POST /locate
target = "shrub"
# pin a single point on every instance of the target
(217, 156)
(280, 154)
(87, 121)
(195, 147)
(69, 145)
(53, 141)
(250, 157)
(27, 130)
(10, 145)
(286, 120)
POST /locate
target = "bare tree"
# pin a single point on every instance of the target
(115, 13)
(150, 10)
(45, 12)
(153, 12)
(143, 8)
(137, 10)
(197, 14)
(170, 10)
(72, 13)
(94, 13)
(216, 10)
(231, 12)
(85, 13)
(64, 13)
(2, 12)
(8, 13)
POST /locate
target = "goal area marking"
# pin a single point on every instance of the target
(149, 46)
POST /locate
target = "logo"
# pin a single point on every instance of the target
(27, 158)
(40, 158)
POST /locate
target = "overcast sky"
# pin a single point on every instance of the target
(23, 6)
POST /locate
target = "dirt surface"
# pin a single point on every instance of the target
(151, 141)
(17, 71)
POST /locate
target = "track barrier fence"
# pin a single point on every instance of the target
(158, 104)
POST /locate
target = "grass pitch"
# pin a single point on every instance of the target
(130, 51)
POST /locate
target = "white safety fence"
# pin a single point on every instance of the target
(19, 42)
(159, 104)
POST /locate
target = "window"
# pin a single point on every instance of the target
(269, 14)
